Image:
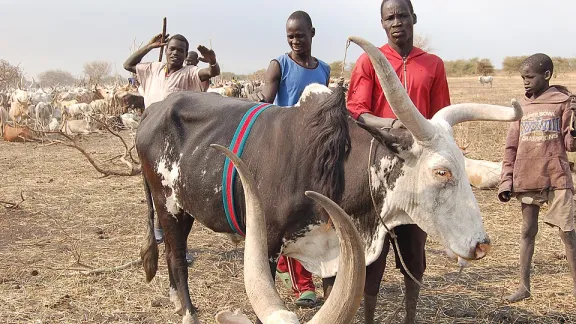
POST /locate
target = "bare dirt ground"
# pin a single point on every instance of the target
(72, 220)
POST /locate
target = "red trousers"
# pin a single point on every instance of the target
(301, 278)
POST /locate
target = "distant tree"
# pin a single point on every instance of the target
(511, 64)
(96, 71)
(461, 67)
(113, 79)
(484, 67)
(563, 65)
(258, 75)
(228, 75)
(423, 43)
(10, 75)
(336, 69)
(52, 78)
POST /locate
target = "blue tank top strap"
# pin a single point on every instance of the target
(295, 78)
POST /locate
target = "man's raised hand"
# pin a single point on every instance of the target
(157, 41)
(208, 55)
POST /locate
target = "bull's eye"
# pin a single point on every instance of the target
(443, 173)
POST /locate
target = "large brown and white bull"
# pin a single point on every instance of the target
(415, 175)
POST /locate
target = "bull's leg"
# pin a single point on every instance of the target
(412, 295)
(374, 273)
(176, 228)
(529, 231)
(327, 285)
(411, 241)
(174, 296)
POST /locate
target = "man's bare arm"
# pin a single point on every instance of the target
(272, 83)
(379, 122)
(213, 69)
(136, 57)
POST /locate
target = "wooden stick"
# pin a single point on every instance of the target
(162, 41)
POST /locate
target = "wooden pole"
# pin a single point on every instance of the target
(162, 41)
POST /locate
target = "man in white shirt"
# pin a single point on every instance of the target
(159, 79)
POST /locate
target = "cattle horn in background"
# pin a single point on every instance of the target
(345, 299)
(459, 113)
(400, 102)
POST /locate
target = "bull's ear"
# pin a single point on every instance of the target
(383, 136)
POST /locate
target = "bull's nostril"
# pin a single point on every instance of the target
(482, 250)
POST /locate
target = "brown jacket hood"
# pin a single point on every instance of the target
(554, 95)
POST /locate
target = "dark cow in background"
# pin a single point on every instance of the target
(415, 175)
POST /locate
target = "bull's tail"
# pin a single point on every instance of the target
(149, 251)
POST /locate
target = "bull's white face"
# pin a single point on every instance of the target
(21, 96)
(434, 192)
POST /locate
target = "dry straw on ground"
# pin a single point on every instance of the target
(73, 220)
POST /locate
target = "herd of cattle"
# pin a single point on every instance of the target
(69, 109)
(45, 107)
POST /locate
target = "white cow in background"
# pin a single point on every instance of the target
(485, 79)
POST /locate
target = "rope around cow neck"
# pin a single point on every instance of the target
(394, 237)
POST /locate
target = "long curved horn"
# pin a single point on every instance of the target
(258, 280)
(459, 113)
(400, 102)
(347, 292)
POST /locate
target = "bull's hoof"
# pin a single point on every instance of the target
(232, 317)
(176, 301)
(190, 318)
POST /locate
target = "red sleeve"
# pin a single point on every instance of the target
(506, 183)
(440, 95)
(360, 89)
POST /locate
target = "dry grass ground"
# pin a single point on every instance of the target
(73, 219)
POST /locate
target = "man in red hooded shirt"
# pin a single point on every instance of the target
(424, 77)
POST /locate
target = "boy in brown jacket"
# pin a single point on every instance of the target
(535, 169)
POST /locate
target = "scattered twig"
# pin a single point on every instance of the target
(73, 144)
(12, 205)
(392, 317)
(128, 151)
(114, 269)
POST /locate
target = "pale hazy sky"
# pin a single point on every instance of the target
(247, 34)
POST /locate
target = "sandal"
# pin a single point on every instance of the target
(285, 278)
(307, 299)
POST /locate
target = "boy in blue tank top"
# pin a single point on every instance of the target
(290, 73)
(286, 78)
